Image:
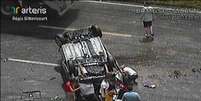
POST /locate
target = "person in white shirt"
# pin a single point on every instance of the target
(132, 74)
(103, 88)
(147, 18)
(106, 86)
(130, 71)
(126, 77)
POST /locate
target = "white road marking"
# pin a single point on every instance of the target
(110, 3)
(32, 62)
(55, 27)
(132, 5)
(117, 34)
(71, 29)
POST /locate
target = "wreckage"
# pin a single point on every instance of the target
(83, 51)
(85, 58)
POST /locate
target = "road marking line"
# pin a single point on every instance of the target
(110, 3)
(55, 27)
(117, 34)
(132, 5)
(32, 62)
(71, 29)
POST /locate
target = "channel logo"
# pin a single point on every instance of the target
(17, 10)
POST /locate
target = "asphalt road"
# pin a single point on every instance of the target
(172, 61)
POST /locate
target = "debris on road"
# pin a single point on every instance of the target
(31, 95)
(149, 84)
(153, 76)
(52, 78)
(57, 98)
(176, 74)
(194, 70)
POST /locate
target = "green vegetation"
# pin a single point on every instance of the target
(179, 3)
(176, 3)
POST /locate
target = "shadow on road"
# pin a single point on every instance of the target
(31, 29)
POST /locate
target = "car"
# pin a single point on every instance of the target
(84, 56)
(86, 59)
(82, 50)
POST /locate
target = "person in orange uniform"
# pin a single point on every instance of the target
(109, 95)
(111, 91)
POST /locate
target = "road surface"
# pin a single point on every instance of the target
(172, 61)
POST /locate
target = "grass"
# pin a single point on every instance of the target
(175, 3)
(179, 3)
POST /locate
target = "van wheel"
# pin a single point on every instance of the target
(59, 39)
(96, 31)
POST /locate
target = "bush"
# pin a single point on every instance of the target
(177, 3)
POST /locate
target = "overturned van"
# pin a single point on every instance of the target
(84, 56)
